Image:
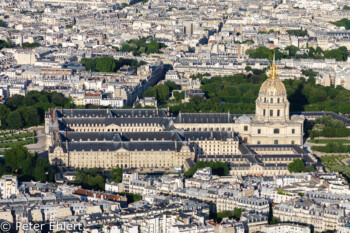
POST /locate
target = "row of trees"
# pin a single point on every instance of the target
(332, 147)
(25, 111)
(298, 166)
(236, 214)
(90, 179)
(95, 179)
(218, 168)
(109, 64)
(3, 24)
(298, 33)
(342, 23)
(161, 92)
(18, 161)
(5, 44)
(340, 54)
(141, 46)
(237, 93)
(327, 126)
(30, 45)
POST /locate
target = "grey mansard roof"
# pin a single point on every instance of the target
(71, 113)
(72, 136)
(204, 118)
(129, 146)
(118, 121)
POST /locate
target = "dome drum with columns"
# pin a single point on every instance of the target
(272, 103)
(272, 123)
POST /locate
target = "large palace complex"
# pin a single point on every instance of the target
(260, 144)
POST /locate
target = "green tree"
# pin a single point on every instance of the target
(41, 162)
(4, 112)
(237, 213)
(105, 64)
(27, 167)
(5, 44)
(248, 68)
(342, 23)
(153, 47)
(90, 64)
(39, 174)
(58, 99)
(162, 93)
(15, 101)
(117, 174)
(30, 116)
(30, 45)
(223, 214)
(274, 220)
(16, 157)
(3, 24)
(296, 166)
(300, 33)
(14, 120)
(171, 85)
(292, 50)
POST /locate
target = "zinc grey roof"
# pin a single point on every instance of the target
(82, 113)
(204, 118)
(139, 112)
(207, 135)
(96, 121)
(130, 146)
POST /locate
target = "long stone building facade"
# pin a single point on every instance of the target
(263, 143)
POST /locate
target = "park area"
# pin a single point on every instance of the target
(336, 163)
(13, 138)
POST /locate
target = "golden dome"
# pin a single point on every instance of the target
(273, 86)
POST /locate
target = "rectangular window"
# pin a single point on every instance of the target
(264, 112)
(292, 142)
(258, 142)
(245, 128)
(278, 112)
(271, 112)
(259, 131)
(293, 131)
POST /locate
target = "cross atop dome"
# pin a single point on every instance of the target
(273, 68)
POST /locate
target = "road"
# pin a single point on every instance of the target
(39, 146)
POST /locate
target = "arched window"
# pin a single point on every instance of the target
(265, 100)
(278, 100)
(264, 112)
(276, 131)
(271, 100)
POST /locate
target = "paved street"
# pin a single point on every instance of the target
(39, 146)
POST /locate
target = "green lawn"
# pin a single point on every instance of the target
(18, 143)
(324, 141)
(13, 136)
(334, 164)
